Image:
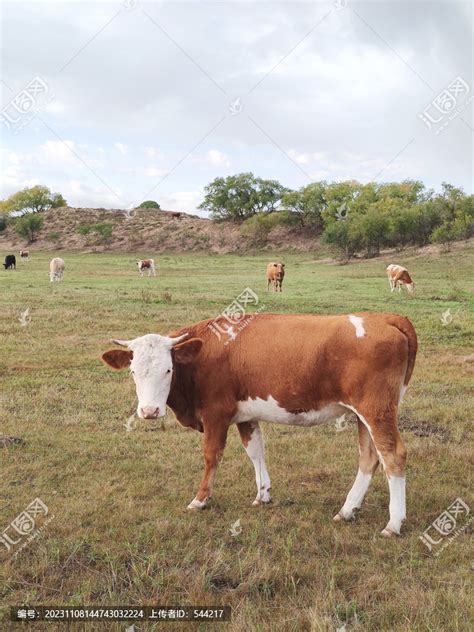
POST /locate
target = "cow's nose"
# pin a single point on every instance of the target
(150, 413)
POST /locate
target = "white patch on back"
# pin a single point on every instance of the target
(358, 323)
(269, 410)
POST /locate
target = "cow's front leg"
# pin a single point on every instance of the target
(215, 435)
(252, 440)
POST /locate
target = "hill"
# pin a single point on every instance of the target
(157, 231)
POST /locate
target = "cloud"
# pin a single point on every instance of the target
(184, 201)
(154, 172)
(120, 147)
(217, 158)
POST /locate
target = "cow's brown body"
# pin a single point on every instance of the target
(296, 369)
(275, 276)
(25, 254)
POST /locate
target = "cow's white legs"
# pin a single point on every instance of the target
(397, 505)
(391, 452)
(355, 496)
(252, 440)
(368, 461)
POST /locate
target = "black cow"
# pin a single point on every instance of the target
(10, 262)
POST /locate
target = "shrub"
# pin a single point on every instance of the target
(149, 204)
(102, 229)
(28, 226)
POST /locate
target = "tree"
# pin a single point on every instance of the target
(28, 226)
(240, 196)
(308, 203)
(149, 204)
(33, 200)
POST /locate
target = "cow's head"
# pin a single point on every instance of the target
(280, 270)
(151, 360)
(411, 287)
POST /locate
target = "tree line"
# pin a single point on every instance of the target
(350, 216)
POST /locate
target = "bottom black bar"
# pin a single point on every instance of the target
(120, 613)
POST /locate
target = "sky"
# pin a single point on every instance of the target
(114, 103)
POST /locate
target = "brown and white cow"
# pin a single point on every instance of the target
(291, 369)
(275, 275)
(56, 269)
(25, 254)
(146, 264)
(398, 276)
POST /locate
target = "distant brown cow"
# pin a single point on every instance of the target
(275, 274)
(25, 254)
(398, 276)
(176, 215)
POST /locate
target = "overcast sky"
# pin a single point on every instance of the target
(153, 100)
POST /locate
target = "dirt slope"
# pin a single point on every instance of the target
(148, 229)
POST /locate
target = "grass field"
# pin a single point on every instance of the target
(121, 533)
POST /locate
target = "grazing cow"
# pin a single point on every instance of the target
(176, 215)
(10, 262)
(291, 369)
(56, 269)
(275, 275)
(398, 275)
(146, 264)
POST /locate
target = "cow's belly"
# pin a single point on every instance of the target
(269, 410)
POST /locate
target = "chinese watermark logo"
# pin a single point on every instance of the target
(235, 528)
(342, 423)
(234, 317)
(342, 211)
(236, 106)
(131, 423)
(445, 528)
(25, 317)
(25, 105)
(446, 105)
(24, 526)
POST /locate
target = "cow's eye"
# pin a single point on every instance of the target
(168, 371)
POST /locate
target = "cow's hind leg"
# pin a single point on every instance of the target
(392, 453)
(252, 440)
(215, 435)
(368, 461)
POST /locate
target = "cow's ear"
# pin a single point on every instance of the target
(118, 358)
(185, 352)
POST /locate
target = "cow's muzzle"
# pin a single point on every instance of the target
(150, 413)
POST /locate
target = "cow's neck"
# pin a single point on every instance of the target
(182, 397)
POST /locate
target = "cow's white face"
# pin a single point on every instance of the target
(411, 287)
(151, 363)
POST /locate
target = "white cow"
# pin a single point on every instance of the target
(56, 269)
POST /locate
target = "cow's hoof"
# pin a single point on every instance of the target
(388, 533)
(346, 516)
(258, 502)
(197, 504)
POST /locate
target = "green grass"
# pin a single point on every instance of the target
(121, 533)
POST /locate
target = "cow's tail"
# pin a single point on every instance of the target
(404, 325)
